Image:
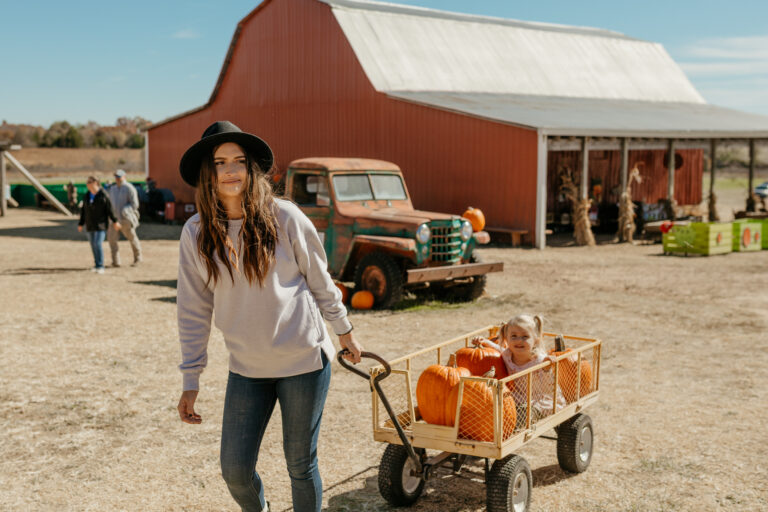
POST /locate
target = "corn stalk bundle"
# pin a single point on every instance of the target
(627, 209)
(582, 229)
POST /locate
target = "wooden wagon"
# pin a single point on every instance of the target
(406, 464)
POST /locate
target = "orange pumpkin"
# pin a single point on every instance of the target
(566, 377)
(479, 360)
(475, 217)
(476, 415)
(433, 390)
(362, 300)
(344, 292)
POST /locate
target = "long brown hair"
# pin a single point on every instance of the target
(259, 229)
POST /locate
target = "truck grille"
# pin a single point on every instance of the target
(446, 242)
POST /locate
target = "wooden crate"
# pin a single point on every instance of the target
(704, 238)
(747, 235)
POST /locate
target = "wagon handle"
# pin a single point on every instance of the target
(387, 370)
(371, 355)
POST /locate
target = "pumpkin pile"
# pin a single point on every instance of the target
(437, 393)
(566, 377)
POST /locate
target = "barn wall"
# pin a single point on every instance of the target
(294, 80)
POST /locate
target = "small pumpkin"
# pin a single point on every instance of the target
(479, 360)
(362, 300)
(344, 292)
(476, 415)
(433, 390)
(566, 377)
(475, 217)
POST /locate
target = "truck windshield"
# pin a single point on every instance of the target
(387, 186)
(352, 188)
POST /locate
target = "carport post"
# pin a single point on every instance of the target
(671, 170)
(712, 165)
(585, 168)
(3, 199)
(542, 149)
(750, 181)
(624, 165)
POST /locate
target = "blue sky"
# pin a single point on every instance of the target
(96, 60)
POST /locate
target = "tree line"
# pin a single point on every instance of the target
(126, 133)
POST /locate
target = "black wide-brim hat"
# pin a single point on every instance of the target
(219, 133)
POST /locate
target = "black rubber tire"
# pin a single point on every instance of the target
(465, 292)
(391, 477)
(575, 441)
(390, 272)
(508, 478)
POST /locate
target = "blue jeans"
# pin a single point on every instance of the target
(97, 239)
(247, 408)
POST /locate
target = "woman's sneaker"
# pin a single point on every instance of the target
(100, 270)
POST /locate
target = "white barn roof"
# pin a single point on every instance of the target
(565, 80)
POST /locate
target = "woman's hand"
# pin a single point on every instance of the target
(80, 229)
(187, 407)
(348, 342)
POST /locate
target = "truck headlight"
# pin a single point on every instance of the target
(423, 234)
(466, 230)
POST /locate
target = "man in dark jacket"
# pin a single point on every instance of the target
(95, 215)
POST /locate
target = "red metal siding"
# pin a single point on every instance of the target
(295, 81)
(606, 165)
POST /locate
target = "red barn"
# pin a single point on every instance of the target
(476, 111)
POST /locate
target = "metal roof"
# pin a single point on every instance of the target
(405, 48)
(591, 117)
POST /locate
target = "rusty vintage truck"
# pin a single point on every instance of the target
(374, 237)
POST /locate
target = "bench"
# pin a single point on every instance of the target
(515, 235)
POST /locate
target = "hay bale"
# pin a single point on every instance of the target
(582, 230)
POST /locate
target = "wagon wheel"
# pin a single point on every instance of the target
(396, 484)
(509, 485)
(574, 443)
(379, 274)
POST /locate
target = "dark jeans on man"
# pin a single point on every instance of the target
(96, 238)
(247, 408)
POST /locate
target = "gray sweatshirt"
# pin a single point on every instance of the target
(270, 331)
(125, 203)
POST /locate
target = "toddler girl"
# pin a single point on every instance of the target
(520, 344)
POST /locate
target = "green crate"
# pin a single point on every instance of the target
(747, 235)
(706, 238)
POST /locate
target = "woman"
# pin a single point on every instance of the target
(258, 263)
(95, 215)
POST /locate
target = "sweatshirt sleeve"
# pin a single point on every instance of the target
(194, 305)
(310, 256)
(110, 210)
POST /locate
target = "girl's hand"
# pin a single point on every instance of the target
(187, 408)
(551, 359)
(478, 340)
(348, 342)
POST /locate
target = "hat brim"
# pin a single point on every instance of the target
(189, 167)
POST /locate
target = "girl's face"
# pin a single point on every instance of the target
(231, 171)
(518, 341)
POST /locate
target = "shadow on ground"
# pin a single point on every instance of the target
(41, 270)
(66, 229)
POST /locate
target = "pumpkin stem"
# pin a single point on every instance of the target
(490, 374)
(452, 360)
(559, 343)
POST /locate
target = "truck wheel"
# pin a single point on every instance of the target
(574, 443)
(509, 485)
(465, 292)
(396, 484)
(379, 274)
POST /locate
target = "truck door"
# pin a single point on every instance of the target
(310, 191)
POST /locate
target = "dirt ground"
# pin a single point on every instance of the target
(89, 385)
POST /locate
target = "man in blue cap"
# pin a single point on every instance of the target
(125, 203)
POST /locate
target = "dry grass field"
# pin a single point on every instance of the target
(88, 382)
(63, 164)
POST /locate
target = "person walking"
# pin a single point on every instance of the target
(125, 203)
(94, 215)
(257, 264)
